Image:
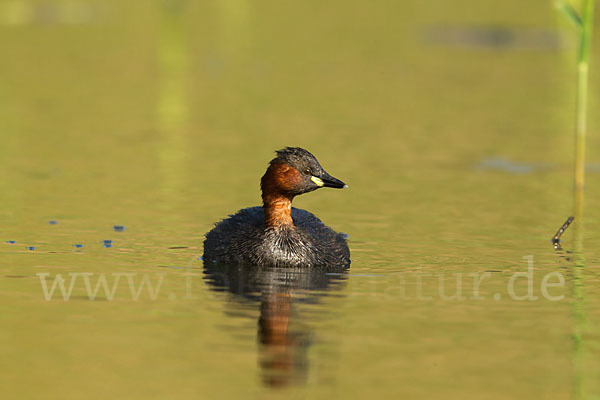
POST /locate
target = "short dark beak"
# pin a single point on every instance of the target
(330, 181)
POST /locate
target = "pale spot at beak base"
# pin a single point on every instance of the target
(317, 181)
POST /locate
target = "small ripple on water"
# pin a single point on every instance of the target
(492, 37)
(513, 167)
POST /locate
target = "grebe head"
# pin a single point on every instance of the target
(295, 171)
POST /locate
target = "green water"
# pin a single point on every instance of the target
(450, 121)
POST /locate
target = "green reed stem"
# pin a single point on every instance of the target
(587, 22)
(584, 23)
(581, 110)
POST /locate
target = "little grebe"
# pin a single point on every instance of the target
(277, 234)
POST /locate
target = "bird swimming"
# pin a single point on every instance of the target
(277, 234)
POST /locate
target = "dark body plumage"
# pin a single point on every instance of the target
(277, 234)
(243, 239)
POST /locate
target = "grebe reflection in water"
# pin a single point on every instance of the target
(284, 336)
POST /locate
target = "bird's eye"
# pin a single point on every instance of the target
(307, 171)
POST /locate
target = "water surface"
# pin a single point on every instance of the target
(451, 123)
